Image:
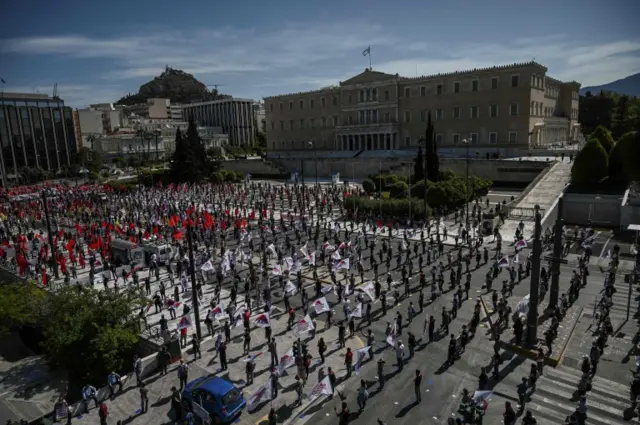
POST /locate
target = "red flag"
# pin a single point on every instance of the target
(177, 235)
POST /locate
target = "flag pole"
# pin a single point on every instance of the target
(370, 68)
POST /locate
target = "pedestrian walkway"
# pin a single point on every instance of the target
(556, 397)
(544, 194)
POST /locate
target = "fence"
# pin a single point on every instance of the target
(524, 213)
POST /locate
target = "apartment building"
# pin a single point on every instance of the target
(36, 131)
(516, 106)
(235, 116)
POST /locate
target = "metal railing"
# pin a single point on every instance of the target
(523, 213)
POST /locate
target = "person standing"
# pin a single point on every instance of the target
(163, 360)
(273, 350)
(176, 405)
(183, 374)
(223, 355)
(137, 369)
(381, 363)
(400, 355)
(103, 413)
(114, 379)
(416, 386)
(249, 368)
(363, 395)
(348, 361)
(195, 345)
(144, 398)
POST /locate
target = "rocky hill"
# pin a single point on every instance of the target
(173, 84)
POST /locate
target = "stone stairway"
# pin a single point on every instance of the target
(543, 194)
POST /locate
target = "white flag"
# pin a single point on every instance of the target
(185, 322)
(272, 248)
(326, 289)
(336, 256)
(370, 290)
(264, 393)
(304, 325)
(217, 312)
(262, 320)
(391, 338)
(286, 362)
(357, 312)
(362, 355)
(321, 305)
(323, 387)
(342, 264)
(290, 288)
(312, 258)
(208, 266)
(276, 270)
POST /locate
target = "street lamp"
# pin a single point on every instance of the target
(467, 142)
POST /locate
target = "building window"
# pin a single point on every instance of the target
(513, 137)
(493, 111)
(456, 139)
(386, 95)
(301, 123)
(350, 99)
(273, 125)
(439, 114)
(493, 138)
(387, 117)
(323, 102)
(423, 115)
(350, 120)
(407, 92)
(290, 106)
(407, 141)
(324, 122)
(474, 85)
(311, 123)
(291, 125)
(335, 100)
(456, 112)
(474, 111)
(456, 87)
(439, 89)
(407, 116)
(281, 125)
(361, 95)
(439, 139)
(514, 80)
(335, 121)
(513, 109)
(423, 91)
(374, 94)
(311, 103)
(301, 104)
(494, 83)
(474, 138)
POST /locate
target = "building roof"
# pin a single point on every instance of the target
(28, 96)
(371, 76)
(219, 101)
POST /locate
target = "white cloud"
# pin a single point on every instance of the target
(306, 56)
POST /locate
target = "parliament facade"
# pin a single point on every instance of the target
(514, 106)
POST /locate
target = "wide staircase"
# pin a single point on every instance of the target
(544, 193)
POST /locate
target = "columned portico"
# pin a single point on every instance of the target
(368, 138)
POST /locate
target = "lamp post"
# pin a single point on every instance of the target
(194, 291)
(467, 142)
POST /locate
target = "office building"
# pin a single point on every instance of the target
(515, 107)
(36, 131)
(234, 116)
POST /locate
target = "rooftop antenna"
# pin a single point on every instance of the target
(55, 90)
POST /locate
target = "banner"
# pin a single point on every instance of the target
(357, 312)
(362, 355)
(370, 290)
(217, 312)
(263, 394)
(286, 362)
(185, 322)
(391, 338)
(304, 325)
(262, 320)
(323, 387)
(290, 288)
(208, 266)
(321, 305)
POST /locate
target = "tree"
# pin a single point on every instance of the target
(90, 333)
(190, 162)
(621, 117)
(617, 157)
(20, 305)
(418, 168)
(368, 185)
(431, 152)
(604, 137)
(398, 190)
(261, 139)
(591, 164)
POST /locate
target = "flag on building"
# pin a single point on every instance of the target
(321, 305)
(366, 51)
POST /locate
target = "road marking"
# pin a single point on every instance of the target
(262, 419)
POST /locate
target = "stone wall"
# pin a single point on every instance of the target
(602, 210)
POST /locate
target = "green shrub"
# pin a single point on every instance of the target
(623, 158)
(390, 180)
(604, 136)
(216, 178)
(591, 164)
(447, 174)
(230, 176)
(398, 190)
(368, 185)
(389, 208)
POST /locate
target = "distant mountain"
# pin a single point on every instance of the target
(629, 86)
(173, 84)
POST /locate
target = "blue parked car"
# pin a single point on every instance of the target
(220, 398)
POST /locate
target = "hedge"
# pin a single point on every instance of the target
(398, 190)
(604, 136)
(591, 164)
(390, 208)
(368, 185)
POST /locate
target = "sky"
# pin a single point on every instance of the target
(100, 51)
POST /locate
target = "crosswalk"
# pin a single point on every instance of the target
(556, 397)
